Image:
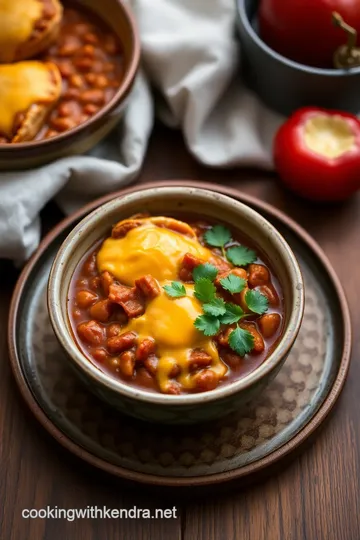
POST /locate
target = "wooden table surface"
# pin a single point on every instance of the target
(315, 497)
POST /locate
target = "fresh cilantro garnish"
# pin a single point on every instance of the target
(232, 314)
(256, 302)
(216, 307)
(241, 255)
(233, 284)
(204, 290)
(241, 341)
(175, 290)
(207, 324)
(216, 311)
(217, 236)
(206, 270)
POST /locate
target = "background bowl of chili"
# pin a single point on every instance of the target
(155, 406)
(98, 55)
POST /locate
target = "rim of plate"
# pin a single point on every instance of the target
(170, 481)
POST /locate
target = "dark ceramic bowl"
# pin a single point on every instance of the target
(119, 18)
(284, 85)
(152, 406)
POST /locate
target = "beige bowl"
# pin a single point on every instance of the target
(159, 201)
(82, 138)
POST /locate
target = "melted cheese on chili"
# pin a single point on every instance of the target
(170, 321)
(22, 85)
(148, 249)
(154, 249)
(17, 20)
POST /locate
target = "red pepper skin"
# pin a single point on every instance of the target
(310, 174)
(302, 30)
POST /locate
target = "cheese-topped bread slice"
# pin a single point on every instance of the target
(27, 27)
(28, 92)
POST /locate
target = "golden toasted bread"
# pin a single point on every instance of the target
(28, 92)
(27, 27)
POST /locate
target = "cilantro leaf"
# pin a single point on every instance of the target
(204, 290)
(217, 236)
(233, 284)
(256, 302)
(175, 290)
(241, 341)
(206, 270)
(207, 324)
(216, 307)
(241, 255)
(232, 314)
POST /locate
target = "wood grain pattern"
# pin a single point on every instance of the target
(316, 497)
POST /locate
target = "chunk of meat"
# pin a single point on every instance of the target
(129, 298)
(144, 378)
(223, 337)
(119, 293)
(269, 324)
(114, 363)
(134, 307)
(259, 344)
(232, 359)
(187, 265)
(123, 227)
(174, 371)
(100, 355)
(206, 380)
(101, 311)
(258, 275)
(113, 329)
(239, 272)
(199, 359)
(173, 388)
(91, 332)
(148, 286)
(121, 342)
(127, 363)
(151, 363)
(145, 348)
(220, 264)
(106, 280)
(270, 293)
(85, 299)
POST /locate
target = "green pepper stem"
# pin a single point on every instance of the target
(348, 55)
(350, 31)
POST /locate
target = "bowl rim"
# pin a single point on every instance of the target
(121, 94)
(242, 15)
(55, 295)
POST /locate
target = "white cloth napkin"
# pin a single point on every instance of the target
(191, 56)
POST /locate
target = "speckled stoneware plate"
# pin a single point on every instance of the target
(291, 408)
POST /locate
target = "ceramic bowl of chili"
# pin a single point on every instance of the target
(127, 303)
(285, 84)
(97, 53)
